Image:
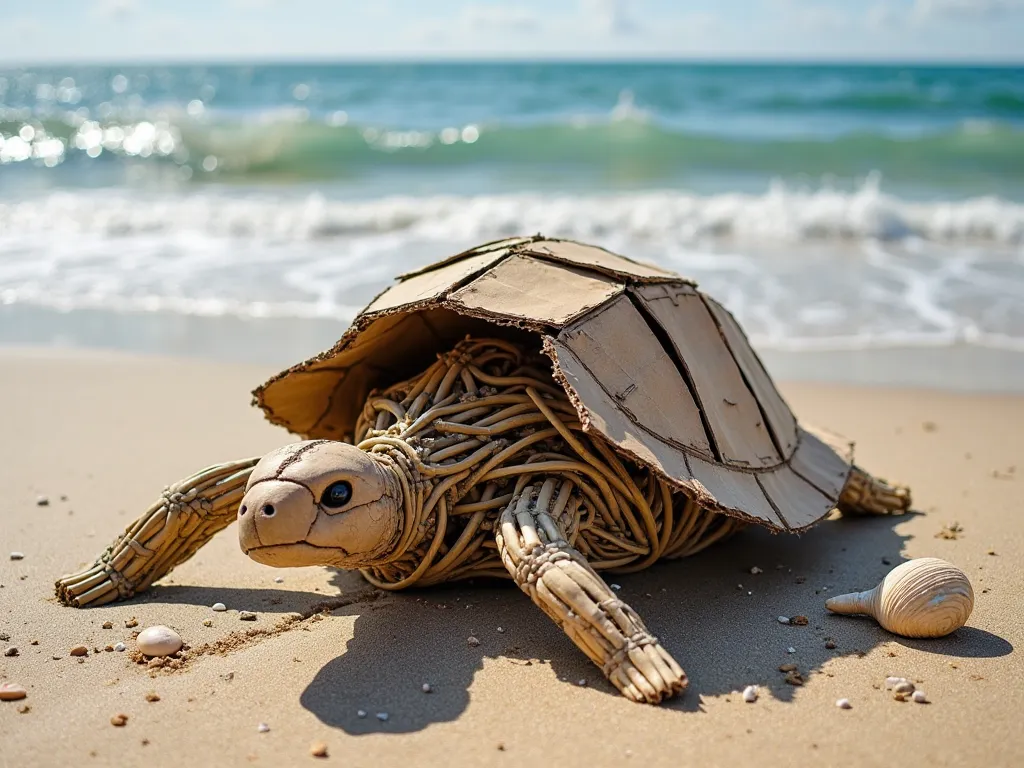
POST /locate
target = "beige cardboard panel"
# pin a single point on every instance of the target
(506, 244)
(427, 285)
(525, 288)
(599, 412)
(623, 354)
(598, 259)
(799, 502)
(729, 406)
(819, 465)
(734, 490)
(301, 397)
(390, 349)
(841, 445)
(780, 417)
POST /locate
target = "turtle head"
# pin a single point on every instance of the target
(320, 502)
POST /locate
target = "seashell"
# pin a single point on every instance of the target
(750, 694)
(926, 597)
(158, 641)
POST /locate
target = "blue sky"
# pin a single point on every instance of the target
(127, 30)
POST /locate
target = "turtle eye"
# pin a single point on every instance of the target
(337, 495)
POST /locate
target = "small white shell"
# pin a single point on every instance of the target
(750, 694)
(844, 704)
(926, 597)
(158, 641)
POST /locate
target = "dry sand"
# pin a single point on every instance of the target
(110, 431)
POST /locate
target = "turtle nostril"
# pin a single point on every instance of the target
(242, 511)
(268, 510)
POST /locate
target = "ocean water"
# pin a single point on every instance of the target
(837, 210)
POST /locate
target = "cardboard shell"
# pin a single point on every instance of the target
(652, 365)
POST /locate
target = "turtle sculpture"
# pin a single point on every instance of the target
(532, 408)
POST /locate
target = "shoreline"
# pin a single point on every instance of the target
(281, 342)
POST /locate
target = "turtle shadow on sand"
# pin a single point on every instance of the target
(715, 616)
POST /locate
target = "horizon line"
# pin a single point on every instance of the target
(965, 62)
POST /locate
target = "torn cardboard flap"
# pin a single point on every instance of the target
(659, 370)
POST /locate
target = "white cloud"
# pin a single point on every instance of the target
(926, 9)
(477, 17)
(115, 8)
(609, 17)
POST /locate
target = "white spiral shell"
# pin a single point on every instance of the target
(926, 597)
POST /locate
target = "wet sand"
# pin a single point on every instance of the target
(108, 431)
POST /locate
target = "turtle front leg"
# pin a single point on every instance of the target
(185, 517)
(867, 495)
(559, 580)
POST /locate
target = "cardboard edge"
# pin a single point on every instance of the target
(690, 487)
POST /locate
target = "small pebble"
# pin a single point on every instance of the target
(799, 621)
(830, 644)
(108, 625)
(12, 651)
(17, 555)
(319, 749)
(207, 623)
(791, 649)
(119, 647)
(361, 713)
(788, 668)
(426, 688)
(79, 650)
(158, 641)
(42, 501)
(472, 641)
(12, 692)
(892, 682)
(108, 648)
(262, 728)
(905, 688)
(616, 587)
(278, 580)
(755, 570)
(382, 716)
(919, 697)
(119, 720)
(750, 694)
(55, 657)
(501, 630)
(246, 616)
(152, 696)
(229, 676)
(844, 704)
(24, 709)
(783, 619)
(132, 622)
(219, 607)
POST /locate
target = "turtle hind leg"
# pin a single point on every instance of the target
(559, 580)
(867, 495)
(186, 516)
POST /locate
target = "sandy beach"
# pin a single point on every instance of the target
(99, 434)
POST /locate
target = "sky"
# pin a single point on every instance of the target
(71, 31)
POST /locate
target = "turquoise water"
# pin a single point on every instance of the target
(833, 208)
(931, 131)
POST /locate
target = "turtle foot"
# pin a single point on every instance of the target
(868, 495)
(185, 517)
(559, 580)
